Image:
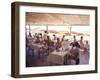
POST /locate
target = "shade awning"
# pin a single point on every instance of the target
(56, 19)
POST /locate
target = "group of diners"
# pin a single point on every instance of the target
(50, 44)
(78, 47)
(56, 43)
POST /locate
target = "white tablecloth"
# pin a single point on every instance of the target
(57, 57)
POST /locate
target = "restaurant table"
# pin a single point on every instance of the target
(36, 46)
(58, 57)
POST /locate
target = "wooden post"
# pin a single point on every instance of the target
(70, 29)
(29, 28)
(47, 28)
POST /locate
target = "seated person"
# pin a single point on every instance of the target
(30, 35)
(81, 43)
(86, 47)
(54, 37)
(41, 38)
(63, 38)
(75, 52)
(40, 35)
(45, 35)
(49, 43)
(37, 40)
(74, 39)
(41, 51)
(58, 44)
(48, 40)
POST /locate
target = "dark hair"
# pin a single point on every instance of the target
(81, 37)
(76, 44)
(45, 31)
(71, 44)
(48, 37)
(40, 33)
(74, 36)
(86, 41)
(54, 35)
(63, 36)
(57, 38)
